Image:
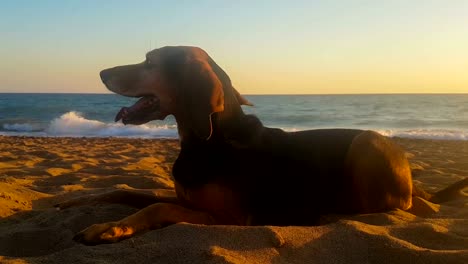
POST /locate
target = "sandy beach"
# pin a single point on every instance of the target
(38, 172)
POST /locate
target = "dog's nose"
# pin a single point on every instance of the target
(105, 75)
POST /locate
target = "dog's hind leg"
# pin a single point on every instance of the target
(380, 174)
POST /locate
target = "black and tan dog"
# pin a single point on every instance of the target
(233, 170)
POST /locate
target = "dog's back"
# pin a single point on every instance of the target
(299, 175)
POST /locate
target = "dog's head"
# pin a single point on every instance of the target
(182, 81)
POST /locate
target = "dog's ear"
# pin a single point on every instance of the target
(202, 95)
(241, 99)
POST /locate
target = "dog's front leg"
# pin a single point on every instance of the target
(149, 218)
(135, 198)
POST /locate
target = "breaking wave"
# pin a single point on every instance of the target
(73, 124)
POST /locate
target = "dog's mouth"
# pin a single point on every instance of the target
(147, 108)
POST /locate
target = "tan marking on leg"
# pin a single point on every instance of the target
(149, 218)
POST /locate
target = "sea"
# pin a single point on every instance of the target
(428, 116)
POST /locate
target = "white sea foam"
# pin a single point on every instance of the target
(73, 124)
(444, 134)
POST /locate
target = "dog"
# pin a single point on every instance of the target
(231, 169)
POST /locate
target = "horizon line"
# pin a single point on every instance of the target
(256, 94)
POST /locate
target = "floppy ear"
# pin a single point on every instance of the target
(202, 95)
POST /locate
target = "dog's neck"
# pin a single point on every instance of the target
(230, 125)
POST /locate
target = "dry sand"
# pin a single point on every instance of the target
(36, 173)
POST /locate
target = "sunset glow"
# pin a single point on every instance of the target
(267, 47)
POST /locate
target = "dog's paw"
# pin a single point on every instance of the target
(105, 233)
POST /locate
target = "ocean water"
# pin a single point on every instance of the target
(92, 115)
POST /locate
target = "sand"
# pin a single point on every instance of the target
(36, 173)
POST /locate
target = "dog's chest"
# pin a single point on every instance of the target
(216, 199)
(196, 167)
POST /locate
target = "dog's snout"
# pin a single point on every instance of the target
(105, 75)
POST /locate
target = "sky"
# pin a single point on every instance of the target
(266, 47)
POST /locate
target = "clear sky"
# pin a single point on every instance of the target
(308, 47)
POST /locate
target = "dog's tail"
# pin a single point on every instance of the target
(452, 192)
